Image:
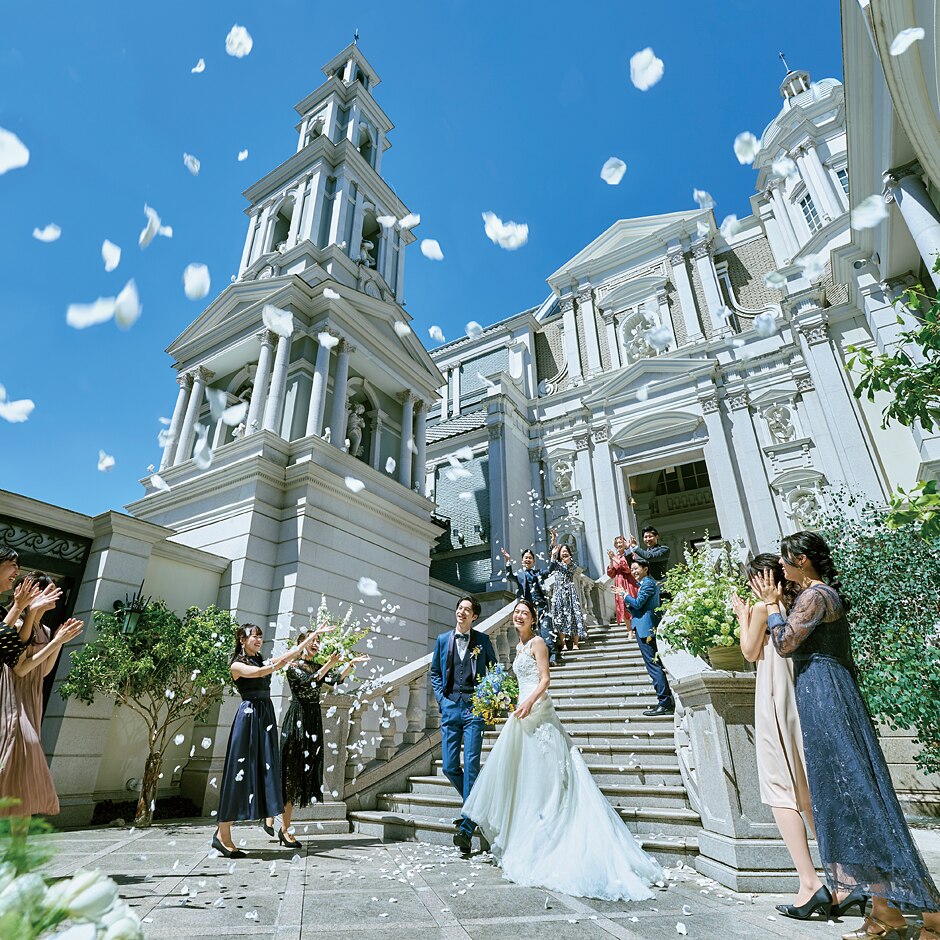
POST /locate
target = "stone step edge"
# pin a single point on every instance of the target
(612, 789)
(656, 769)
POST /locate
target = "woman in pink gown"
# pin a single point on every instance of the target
(619, 569)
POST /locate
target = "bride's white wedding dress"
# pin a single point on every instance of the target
(547, 822)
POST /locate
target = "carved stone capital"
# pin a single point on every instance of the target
(346, 347)
(267, 337)
(675, 255)
(585, 298)
(495, 432)
(601, 434)
(201, 372)
(535, 454)
(738, 400)
(892, 177)
(804, 383)
(566, 304)
(701, 248)
(815, 333)
(709, 403)
(406, 396)
(607, 315)
(582, 441)
(185, 380)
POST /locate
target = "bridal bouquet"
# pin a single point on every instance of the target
(495, 695)
(342, 638)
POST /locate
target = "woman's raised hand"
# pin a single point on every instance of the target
(46, 599)
(741, 607)
(24, 593)
(68, 631)
(506, 554)
(766, 588)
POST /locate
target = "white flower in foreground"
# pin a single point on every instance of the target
(153, 228)
(784, 166)
(730, 226)
(401, 329)
(765, 324)
(703, 198)
(409, 221)
(870, 212)
(87, 895)
(277, 320)
(199, 67)
(122, 924)
(50, 233)
(612, 171)
(191, 163)
(436, 334)
(127, 306)
(13, 152)
(242, 155)
(354, 485)
(238, 42)
(105, 461)
(474, 329)
(905, 39)
(775, 280)
(368, 587)
(645, 69)
(430, 248)
(508, 235)
(196, 281)
(746, 146)
(110, 254)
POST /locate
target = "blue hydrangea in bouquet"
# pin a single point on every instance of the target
(495, 695)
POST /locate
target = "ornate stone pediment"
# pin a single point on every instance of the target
(654, 427)
(657, 372)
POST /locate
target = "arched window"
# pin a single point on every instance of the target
(366, 144)
(371, 236)
(282, 222)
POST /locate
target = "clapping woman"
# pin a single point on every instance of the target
(618, 568)
(251, 777)
(302, 735)
(567, 615)
(864, 841)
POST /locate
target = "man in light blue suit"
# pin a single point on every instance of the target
(461, 657)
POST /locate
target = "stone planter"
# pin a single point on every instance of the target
(730, 658)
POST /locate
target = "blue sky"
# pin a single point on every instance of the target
(509, 107)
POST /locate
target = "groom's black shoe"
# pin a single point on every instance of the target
(659, 710)
(463, 842)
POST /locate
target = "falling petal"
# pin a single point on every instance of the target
(474, 330)
(660, 337)
(105, 461)
(464, 453)
(730, 226)
(704, 199)
(702, 229)
(784, 166)
(196, 281)
(354, 485)
(681, 929)
(330, 294)
(13, 152)
(127, 306)
(401, 329)
(409, 221)
(687, 910)
(234, 416)
(153, 228)
(218, 400)
(277, 320)
(645, 69)
(869, 212)
(746, 148)
(238, 42)
(200, 66)
(327, 339)
(430, 248)
(368, 587)
(612, 171)
(179, 739)
(81, 315)
(110, 254)
(390, 465)
(508, 235)
(242, 156)
(814, 267)
(905, 39)
(16, 412)
(436, 334)
(191, 163)
(386, 221)
(765, 324)
(775, 280)
(50, 233)
(643, 392)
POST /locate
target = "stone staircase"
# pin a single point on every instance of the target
(600, 695)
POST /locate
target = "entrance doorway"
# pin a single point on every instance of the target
(677, 500)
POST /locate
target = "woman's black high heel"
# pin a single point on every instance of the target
(820, 902)
(296, 844)
(857, 898)
(268, 829)
(223, 851)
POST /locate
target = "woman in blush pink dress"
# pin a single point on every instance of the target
(618, 568)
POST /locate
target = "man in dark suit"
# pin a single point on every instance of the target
(654, 554)
(643, 607)
(461, 657)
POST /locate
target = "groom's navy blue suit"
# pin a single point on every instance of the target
(453, 679)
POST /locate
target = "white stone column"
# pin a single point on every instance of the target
(592, 341)
(407, 400)
(665, 318)
(782, 215)
(298, 196)
(905, 187)
(680, 277)
(813, 184)
(610, 509)
(590, 510)
(445, 397)
(455, 390)
(321, 373)
(832, 204)
(249, 239)
(313, 211)
(185, 381)
(400, 277)
(375, 456)
(570, 340)
(339, 411)
(340, 208)
(382, 255)
(274, 407)
(709, 279)
(201, 375)
(612, 344)
(358, 215)
(262, 231)
(259, 391)
(421, 446)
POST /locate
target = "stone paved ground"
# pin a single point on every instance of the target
(353, 884)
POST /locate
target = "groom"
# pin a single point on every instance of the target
(461, 657)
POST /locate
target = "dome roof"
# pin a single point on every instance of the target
(802, 101)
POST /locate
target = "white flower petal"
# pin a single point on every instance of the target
(354, 485)
(409, 221)
(110, 254)
(196, 281)
(436, 334)
(474, 329)
(330, 294)
(179, 739)
(13, 152)
(463, 453)
(702, 229)
(202, 452)
(401, 329)
(127, 306)
(765, 324)
(233, 416)
(703, 198)
(431, 249)
(105, 461)
(153, 228)
(50, 233)
(612, 171)
(277, 320)
(386, 221)
(218, 400)
(508, 235)
(870, 212)
(681, 929)
(645, 69)
(390, 465)
(814, 267)
(81, 315)
(16, 412)
(200, 66)
(643, 392)
(784, 166)
(746, 147)
(238, 42)
(730, 226)
(368, 587)
(905, 39)
(242, 155)
(191, 163)
(775, 280)
(659, 337)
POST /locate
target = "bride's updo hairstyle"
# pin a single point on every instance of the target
(814, 547)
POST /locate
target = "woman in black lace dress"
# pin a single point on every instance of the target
(302, 734)
(864, 842)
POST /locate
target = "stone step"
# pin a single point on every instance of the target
(632, 703)
(600, 671)
(666, 820)
(622, 735)
(594, 685)
(392, 827)
(627, 772)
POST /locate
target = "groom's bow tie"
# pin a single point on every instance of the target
(463, 637)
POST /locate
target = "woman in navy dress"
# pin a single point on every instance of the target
(864, 841)
(567, 615)
(251, 778)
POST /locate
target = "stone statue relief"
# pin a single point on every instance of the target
(562, 473)
(634, 332)
(355, 422)
(780, 423)
(804, 508)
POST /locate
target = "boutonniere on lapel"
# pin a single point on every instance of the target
(475, 652)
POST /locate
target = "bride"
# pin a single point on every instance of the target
(538, 806)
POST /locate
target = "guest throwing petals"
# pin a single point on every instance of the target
(618, 568)
(567, 615)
